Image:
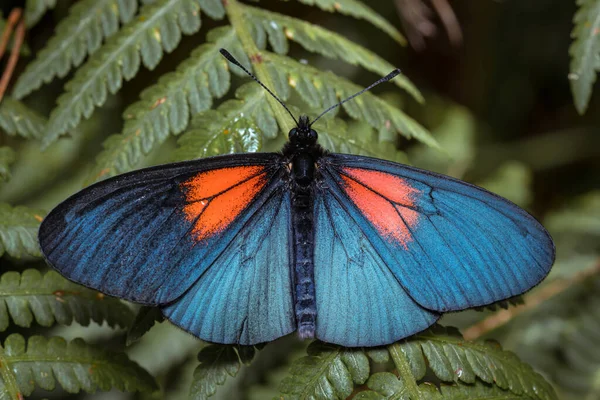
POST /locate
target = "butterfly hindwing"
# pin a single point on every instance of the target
(147, 236)
(359, 300)
(248, 298)
(450, 244)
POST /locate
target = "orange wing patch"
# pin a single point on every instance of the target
(386, 200)
(215, 198)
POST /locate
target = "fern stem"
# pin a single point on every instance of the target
(8, 378)
(235, 13)
(404, 371)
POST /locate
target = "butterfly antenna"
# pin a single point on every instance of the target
(232, 60)
(386, 78)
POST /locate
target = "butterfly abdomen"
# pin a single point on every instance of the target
(302, 205)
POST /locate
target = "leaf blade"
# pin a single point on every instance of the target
(585, 52)
(73, 365)
(18, 231)
(77, 35)
(50, 299)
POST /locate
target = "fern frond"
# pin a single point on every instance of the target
(585, 52)
(321, 89)
(358, 10)
(74, 365)
(167, 106)
(18, 231)
(328, 372)
(35, 10)
(7, 157)
(385, 385)
(81, 33)
(52, 299)
(145, 319)
(157, 28)
(278, 28)
(236, 126)
(357, 138)
(333, 371)
(216, 363)
(452, 359)
(17, 119)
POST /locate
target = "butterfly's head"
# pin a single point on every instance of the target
(302, 135)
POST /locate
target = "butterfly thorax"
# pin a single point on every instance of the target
(303, 151)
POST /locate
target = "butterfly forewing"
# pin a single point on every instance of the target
(149, 235)
(449, 244)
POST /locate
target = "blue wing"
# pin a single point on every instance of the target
(246, 296)
(450, 244)
(130, 236)
(359, 300)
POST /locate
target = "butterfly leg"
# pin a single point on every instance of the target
(305, 307)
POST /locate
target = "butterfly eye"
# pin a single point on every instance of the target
(293, 133)
(313, 135)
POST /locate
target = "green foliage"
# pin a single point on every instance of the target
(75, 366)
(80, 34)
(328, 372)
(279, 28)
(359, 10)
(331, 372)
(18, 231)
(217, 362)
(52, 299)
(585, 52)
(17, 119)
(157, 28)
(145, 319)
(35, 9)
(385, 385)
(167, 106)
(7, 157)
(320, 89)
(236, 126)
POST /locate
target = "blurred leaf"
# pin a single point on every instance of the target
(7, 157)
(358, 10)
(321, 89)
(52, 299)
(585, 52)
(81, 33)
(35, 10)
(18, 231)
(578, 355)
(145, 319)
(279, 28)
(512, 181)
(157, 28)
(455, 133)
(75, 366)
(167, 106)
(17, 119)
(581, 217)
(216, 363)
(328, 372)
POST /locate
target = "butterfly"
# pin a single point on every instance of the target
(247, 248)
